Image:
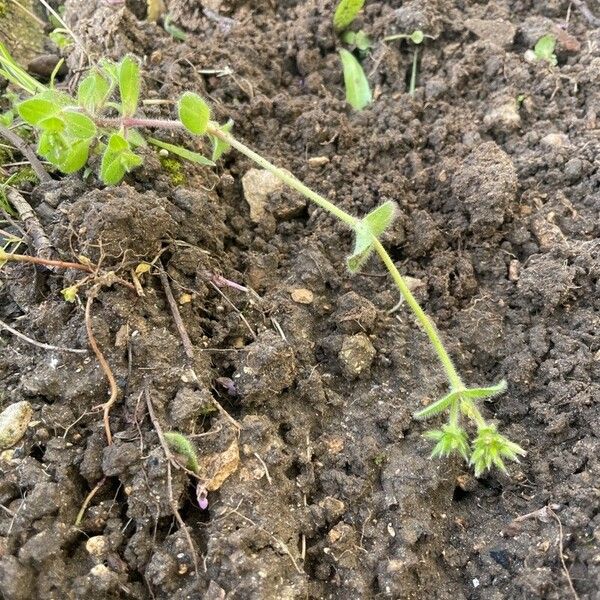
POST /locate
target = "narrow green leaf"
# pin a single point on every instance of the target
(372, 225)
(36, 109)
(469, 394)
(358, 92)
(363, 246)
(194, 113)
(78, 125)
(345, 12)
(437, 407)
(485, 392)
(93, 92)
(183, 152)
(379, 219)
(219, 146)
(75, 156)
(129, 85)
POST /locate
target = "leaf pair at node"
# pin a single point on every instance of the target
(367, 231)
(458, 396)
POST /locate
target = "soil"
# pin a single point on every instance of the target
(493, 163)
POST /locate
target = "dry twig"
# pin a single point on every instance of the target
(171, 461)
(87, 501)
(26, 151)
(33, 342)
(39, 240)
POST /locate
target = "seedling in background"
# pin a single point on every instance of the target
(416, 37)
(543, 51)
(358, 91)
(62, 122)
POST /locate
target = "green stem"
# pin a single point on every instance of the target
(284, 176)
(425, 322)
(413, 76)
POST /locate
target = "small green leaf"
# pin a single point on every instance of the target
(173, 30)
(117, 160)
(7, 118)
(111, 169)
(183, 152)
(345, 12)
(180, 445)
(61, 38)
(371, 226)
(363, 41)
(52, 125)
(78, 125)
(417, 37)
(358, 92)
(380, 218)
(117, 143)
(194, 113)
(349, 38)
(51, 145)
(544, 49)
(484, 392)
(36, 109)
(129, 85)
(93, 92)
(70, 293)
(75, 156)
(219, 146)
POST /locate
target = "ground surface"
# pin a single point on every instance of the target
(494, 166)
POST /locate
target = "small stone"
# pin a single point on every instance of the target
(497, 31)
(357, 354)
(97, 546)
(302, 296)
(514, 270)
(258, 184)
(13, 423)
(317, 161)
(574, 169)
(504, 117)
(555, 140)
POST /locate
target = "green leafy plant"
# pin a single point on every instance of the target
(544, 49)
(358, 91)
(69, 128)
(417, 37)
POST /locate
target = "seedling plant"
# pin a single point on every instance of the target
(358, 91)
(416, 37)
(102, 121)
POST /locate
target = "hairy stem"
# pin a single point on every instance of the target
(425, 322)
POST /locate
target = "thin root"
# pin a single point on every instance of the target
(105, 368)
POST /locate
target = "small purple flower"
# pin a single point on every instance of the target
(202, 496)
